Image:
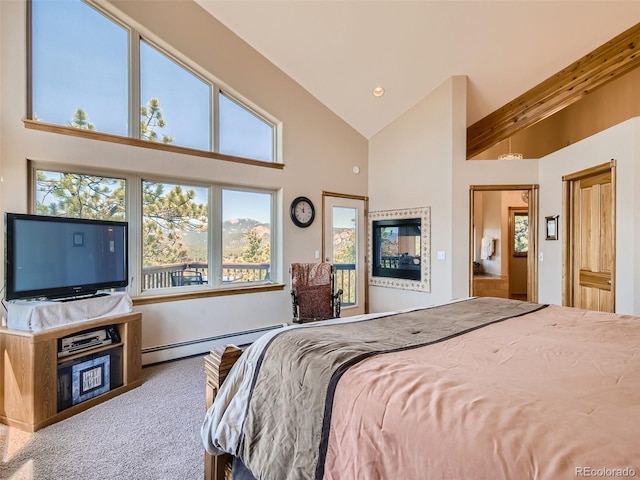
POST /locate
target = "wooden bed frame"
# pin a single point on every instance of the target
(217, 365)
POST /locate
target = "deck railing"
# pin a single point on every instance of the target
(160, 276)
(346, 280)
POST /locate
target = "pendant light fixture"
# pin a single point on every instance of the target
(510, 155)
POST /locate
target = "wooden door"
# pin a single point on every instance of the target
(592, 241)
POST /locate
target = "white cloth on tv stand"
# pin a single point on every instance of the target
(37, 315)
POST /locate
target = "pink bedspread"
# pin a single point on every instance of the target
(554, 394)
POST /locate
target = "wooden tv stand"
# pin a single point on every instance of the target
(30, 368)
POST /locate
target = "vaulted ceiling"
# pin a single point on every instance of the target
(340, 50)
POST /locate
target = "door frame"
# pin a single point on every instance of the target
(532, 257)
(569, 184)
(365, 201)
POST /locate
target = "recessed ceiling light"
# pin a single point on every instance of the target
(378, 92)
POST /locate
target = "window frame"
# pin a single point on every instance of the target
(518, 212)
(134, 216)
(136, 34)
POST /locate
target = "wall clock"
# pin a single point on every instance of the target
(302, 212)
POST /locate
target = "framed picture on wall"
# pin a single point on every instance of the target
(552, 227)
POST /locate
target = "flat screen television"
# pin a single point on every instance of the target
(396, 248)
(56, 257)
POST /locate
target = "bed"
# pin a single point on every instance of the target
(476, 388)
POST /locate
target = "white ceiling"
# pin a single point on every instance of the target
(339, 50)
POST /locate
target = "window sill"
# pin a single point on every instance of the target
(134, 142)
(219, 292)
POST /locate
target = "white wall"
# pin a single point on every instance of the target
(319, 152)
(619, 143)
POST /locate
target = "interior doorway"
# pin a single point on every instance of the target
(503, 241)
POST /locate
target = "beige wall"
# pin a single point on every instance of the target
(319, 152)
(492, 228)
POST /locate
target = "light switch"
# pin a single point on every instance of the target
(441, 255)
(317, 254)
(540, 256)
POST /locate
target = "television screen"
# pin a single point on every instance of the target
(397, 248)
(51, 257)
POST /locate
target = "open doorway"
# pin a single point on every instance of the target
(503, 241)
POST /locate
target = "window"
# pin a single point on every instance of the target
(177, 226)
(175, 103)
(79, 68)
(344, 252)
(174, 234)
(246, 236)
(81, 77)
(520, 233)
(64, 194)
(243, 133)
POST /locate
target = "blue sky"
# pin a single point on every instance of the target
(79, 61)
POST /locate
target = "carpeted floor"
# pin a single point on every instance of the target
(149, 433)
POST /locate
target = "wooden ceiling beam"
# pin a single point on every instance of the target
(609, 61)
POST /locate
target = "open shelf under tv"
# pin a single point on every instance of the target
(30, 364)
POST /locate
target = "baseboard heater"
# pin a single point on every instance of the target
(162, 353)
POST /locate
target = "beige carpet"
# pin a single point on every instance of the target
(149, 433)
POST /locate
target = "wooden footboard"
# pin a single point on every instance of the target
(217, 365)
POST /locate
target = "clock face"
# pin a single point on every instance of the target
(302, 212)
